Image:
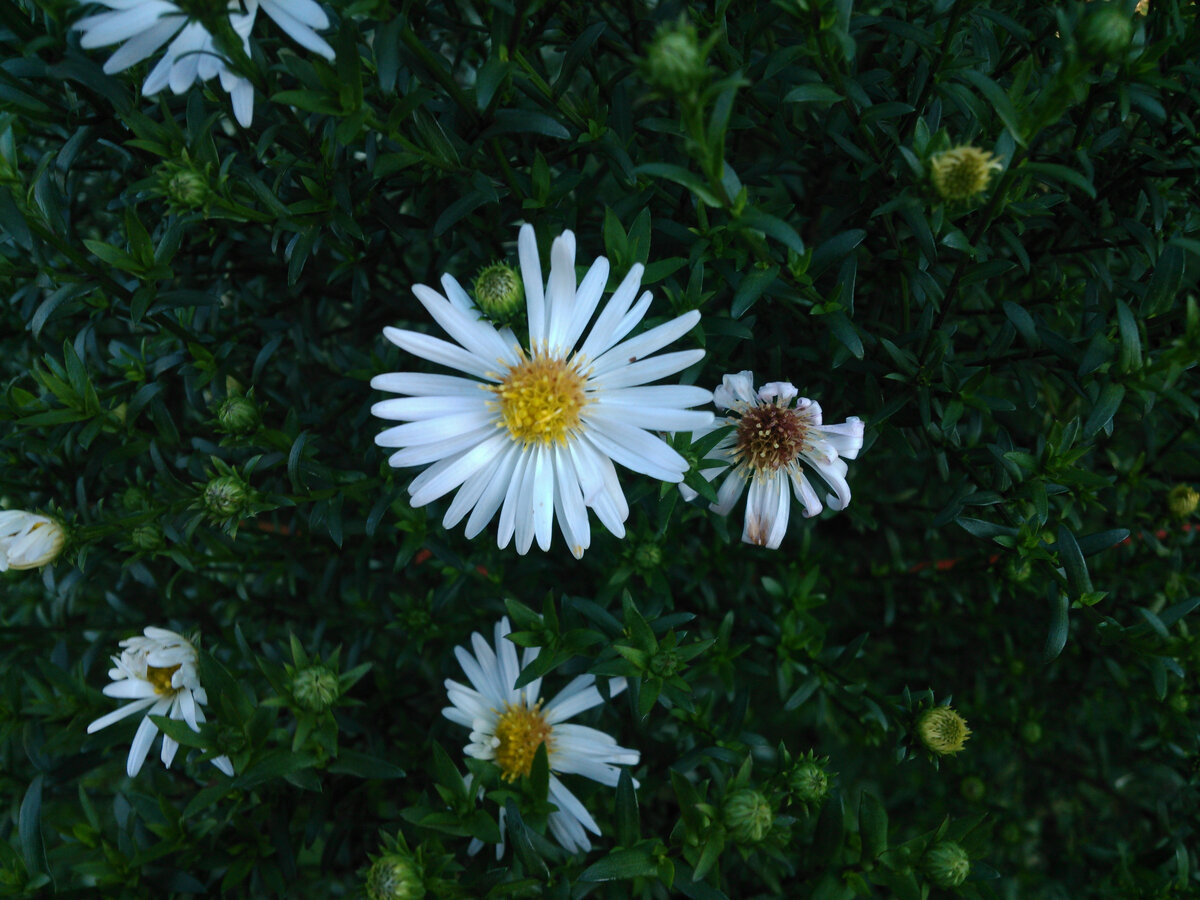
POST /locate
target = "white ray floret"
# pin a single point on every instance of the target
(774, 431)
(532, 434)
(157, 673)
(507, 725)
(142, 27)
(28, 540)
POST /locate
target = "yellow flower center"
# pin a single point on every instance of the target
(520, 731)
(540, 400)
(160, 677)
(769, 437)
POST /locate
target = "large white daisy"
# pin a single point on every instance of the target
(771, 437)
(158, 673)
(28, 540)
(145, 25)
(509, 724)
(534, 434)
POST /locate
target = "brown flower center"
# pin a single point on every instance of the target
(769, 437)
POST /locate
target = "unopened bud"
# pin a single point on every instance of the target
(226, 496)
(239, 415)
(947, 864)
(499, 291)
(747, 815)
(395, 876)
(962, 172)
(942, 730)
(316, 688)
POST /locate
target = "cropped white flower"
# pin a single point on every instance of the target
(158, 673)
(28, 540)
(145, 25)
(509, 724)
(535, 434)
(771, 437)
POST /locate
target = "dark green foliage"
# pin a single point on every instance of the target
(184, 301)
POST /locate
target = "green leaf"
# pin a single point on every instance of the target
(363, 765)
(29, 828)
(751, 288)
(1071, 558)
(1056, 636)
(999, 100)
(1106, 407)
(1052, 173)
(812, 93)
(621, 865)
(681, 176)
(526, 121)
(1165, 282)
(872, 826)
(628, 829)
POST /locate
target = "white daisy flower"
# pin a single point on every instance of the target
(145, 25)
(158, 673)
(28, 540)
(509, 724)
(771, 437)
(534, 434)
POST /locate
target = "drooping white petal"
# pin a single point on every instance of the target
(767, 506)
(297, 30)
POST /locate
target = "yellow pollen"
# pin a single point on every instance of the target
(520, 731)
(540, 400)
(160, 677)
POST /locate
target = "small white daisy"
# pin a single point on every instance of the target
(535, 434)
(509, 724)
(771, 437)
(28, 540)
(158, 673)
(145, 25)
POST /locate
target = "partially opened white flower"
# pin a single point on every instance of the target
(534, 434)
(158, 673)
(509, 724)
(143, 26)
(771, 437)
(28, 540)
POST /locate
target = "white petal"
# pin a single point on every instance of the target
(804, 492)
(846, 438)
(602, 336)
(428, 431)
(645, 344)
(495, 492)
(435, 481)
(569, 505)
(420, 384)
(129, 688)
(512, 490)
(560, 294)
(118, 714)
(569, 804)
(736, 391)
(408, 409)
(643, 371)
(634, 448)
(767, 507)
(144, 738)
(297, 30)
(441, 352)
(579, 694)
(526, 494)
(112, 28)
(143, 45)
(531, 274)
(658, 418)
(423, 454)
(587, 296)
(728, 494)
(307, 11)
(474, 334)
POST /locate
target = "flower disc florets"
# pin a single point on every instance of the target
(519, 732)
(540, 400)
(943, 730)
(962, 172)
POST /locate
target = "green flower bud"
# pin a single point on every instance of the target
(665, 663)
(147, 537)
(947, 864)
(1031, 732)
(973, 789)
(499, 291)
(135, 499)
(395, 877)
(748, 816)
(1182, 500)
(962, 172)
(226, 496)
(187, 188)
(675, 61)
(942, 730)
(239, 415)
(809, 783)
(316, 688)
(647, 556)
(1106, 32)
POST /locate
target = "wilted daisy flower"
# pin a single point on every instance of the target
(158, 673)
(509, 724)
(771, 437)
(143, 26)
(534, 434)
(28, 540)
(962, 172)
